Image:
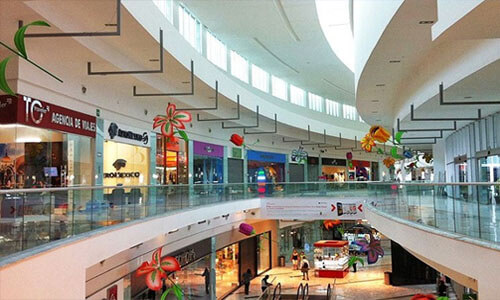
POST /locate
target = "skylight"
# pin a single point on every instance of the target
(334, 17)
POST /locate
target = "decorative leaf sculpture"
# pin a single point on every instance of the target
(3, 79)
(398, 136)
(19, 36)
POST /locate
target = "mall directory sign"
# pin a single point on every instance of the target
(37, 113)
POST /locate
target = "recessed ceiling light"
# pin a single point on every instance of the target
(380, 84)
(426, 22)
(468, 97)
(211, 97)
(394, 61)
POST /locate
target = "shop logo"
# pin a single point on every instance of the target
(209, 149)
(186, 257)
(120, 163)
(114, 131)
(34, 110)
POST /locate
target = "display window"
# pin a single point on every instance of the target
(273, 165)
(334, 173)
(125, 164)
(207, 163)
(264, 252)
(227, 269)
(171, 161)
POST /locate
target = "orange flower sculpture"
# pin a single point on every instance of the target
(173, 120)
(379, 133)
(330, 223)
(367, 143)
(389, 162)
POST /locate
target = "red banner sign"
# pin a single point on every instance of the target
(33, 112)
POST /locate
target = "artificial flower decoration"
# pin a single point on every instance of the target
(157, 269)
(411, 166)
(348, 155)
(174, 120)
(389, 162)
(330, 223)
(427, 157)
(407, 154)
(237, 139)
(299, 155)
(247, 229)
(367, 143)
(379, 133)
(373, 249)
(423, 297)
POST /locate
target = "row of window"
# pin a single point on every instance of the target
(216, 52)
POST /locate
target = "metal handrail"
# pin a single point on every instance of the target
(305, 292)
(328, 292)
(277, 288)
(300, 290)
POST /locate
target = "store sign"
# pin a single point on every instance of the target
(333, 162)
(313, 208)
(311, 160)
(118, 165)
(33, 112)
(126, 134)
(207, 149)
(236, 152)
(192, 253)
(266, 156)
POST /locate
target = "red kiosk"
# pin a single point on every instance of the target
(331, 259)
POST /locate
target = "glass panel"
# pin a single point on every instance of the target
(190, 28)
(260, 79)
(264, 252)
(279, 88)
(349, 112)
(332, 107)
(315, 102)
(216, 51)
(239, 67)
(297, 96)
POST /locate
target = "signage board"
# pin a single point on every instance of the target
(201, 148)
(37, 113)
(266, 156)
(237, 152)
(121, 133)
(313, 208)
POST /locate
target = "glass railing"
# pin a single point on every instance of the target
(468, 209)
(33, 217)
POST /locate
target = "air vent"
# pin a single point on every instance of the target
(380, 84)
(375, 101)
(375, 112)
(468, 97)
(426, 22)
(394, 61)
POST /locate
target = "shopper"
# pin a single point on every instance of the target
(247, 277)
(206, 274)
(295, 259)
(264, 283)
(304, 268)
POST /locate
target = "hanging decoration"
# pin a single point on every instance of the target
(411, 166)
(173, 122)
(299, 155)
(423, 297)
(239, 140)
(329, 224)
(389, 162)
(379, 134)
(246, 229)
(348, 157)
(22, 53)
(372, 249)
(157, 270)
(428, 158)
(367, 143)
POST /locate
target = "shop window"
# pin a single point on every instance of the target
(279, 88)
(239, 67)
(216, 51)
(264, 252)
(207, 169)
(171, 161)
(125, 164)
(227, 270)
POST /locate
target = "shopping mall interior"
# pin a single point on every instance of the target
(249, 149)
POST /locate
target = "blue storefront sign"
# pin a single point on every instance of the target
(266, 156)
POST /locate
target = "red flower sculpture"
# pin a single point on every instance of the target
(157, 269)
(423, 297)
(237, 139)
(247, 229)
(348, 155)
(331, 223)
(173, 119)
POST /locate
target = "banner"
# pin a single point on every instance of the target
(313, 208)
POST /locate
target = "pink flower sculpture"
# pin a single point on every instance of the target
(157, 269)
(247, 229)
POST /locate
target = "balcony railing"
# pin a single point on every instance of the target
(33, 217)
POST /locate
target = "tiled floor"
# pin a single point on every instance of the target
(366, 284)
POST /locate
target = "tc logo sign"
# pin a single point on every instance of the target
(34, 110)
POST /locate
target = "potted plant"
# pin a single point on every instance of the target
(353, 260)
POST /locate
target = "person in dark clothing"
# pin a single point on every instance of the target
(206, 274)
(442, 288)
(264, 283)
(247, 277)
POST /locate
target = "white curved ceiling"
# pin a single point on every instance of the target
(284, 38)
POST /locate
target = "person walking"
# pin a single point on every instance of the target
(206, 274)
(264, 284)
(295, 259)
(247, 277)
(304, 268)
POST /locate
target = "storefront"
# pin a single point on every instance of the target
(171, 160)
(126, 155)
(207, 163)
(44, 145)
(312, 168)
(360, 171)
(272, 163)
(333, 169)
